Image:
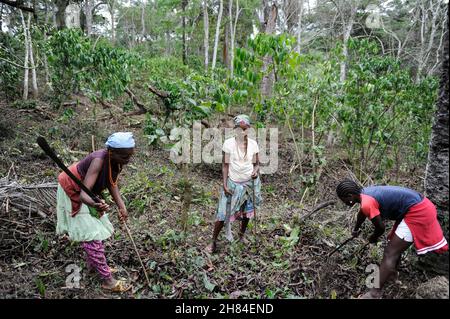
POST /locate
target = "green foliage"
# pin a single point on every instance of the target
(77, 64)
(40, 286)
(25, 104)
(10, 74)
(382, 107)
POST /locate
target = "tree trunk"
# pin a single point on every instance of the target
(299, 25)
(184, 4)
(60, 15)
(347, 32)
(268, 78)
(111, 5)
(34, 85)
(88, 7)
(436, 176)
(232, 33)
(143, 31)
(225, 46)
(206, 32)
(45, 59)
(216, 39)
(1, 17)
(25, 63)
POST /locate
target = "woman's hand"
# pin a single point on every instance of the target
(356, 232)
(227, 190)
(373, 239)
(101, 207)
(255, 172)
(123, 214)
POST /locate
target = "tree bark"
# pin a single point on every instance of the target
(299, 25)
(88, 11)
(18, 5)
(268, 77)
(232, 34)
(206, 32)
(143, 31)
(45, 59)
(1, 17)
(184, 4)
(60, 16)
(347, 32)
(25, 63)
(216, 39)
(436, 176)
(111, 7)
(34, 85)
(226, 40)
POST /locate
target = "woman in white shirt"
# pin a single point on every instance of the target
(240, 169)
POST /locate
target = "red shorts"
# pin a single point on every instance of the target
(421, 219)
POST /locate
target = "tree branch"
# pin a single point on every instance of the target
(18, 5)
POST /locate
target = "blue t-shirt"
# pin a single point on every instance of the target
(394, 201)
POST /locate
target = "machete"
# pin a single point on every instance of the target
(47, 149)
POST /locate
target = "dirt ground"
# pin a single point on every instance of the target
(285, 256)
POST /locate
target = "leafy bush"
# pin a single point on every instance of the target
(77, 64)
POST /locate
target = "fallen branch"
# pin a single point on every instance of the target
(18, 5)
(37, 198)
(161, 94)
(318, 207)
(133, 97)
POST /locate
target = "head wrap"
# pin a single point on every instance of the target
(120, 140)
(242, 118)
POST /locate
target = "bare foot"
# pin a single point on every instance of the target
(394, 277)
(211, 248)
(92, 271)
(109, 283)
(371, 294)
(243, 240)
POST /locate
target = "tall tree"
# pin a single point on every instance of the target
(60, 14)
(112, 9)
(88, 8)
(34, 85)
(347, 12)
(25, 63)
(233, 32)
(299, 24)
(206, 33)
(271, 14)
(216, 38)
(184, 4)
(436, 176)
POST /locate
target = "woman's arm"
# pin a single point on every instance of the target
(379, 229)
(225, 167)
(359, 221)
(89, 181)
(115, 193)
(255, 166)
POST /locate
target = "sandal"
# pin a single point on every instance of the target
(120, 286)
(92, 270)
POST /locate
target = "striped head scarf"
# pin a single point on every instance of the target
(242, 118)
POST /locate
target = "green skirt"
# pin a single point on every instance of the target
(82, 227)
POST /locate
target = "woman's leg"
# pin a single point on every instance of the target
(391, 257)
(218, 225)
(244, 224)
(96, 259)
